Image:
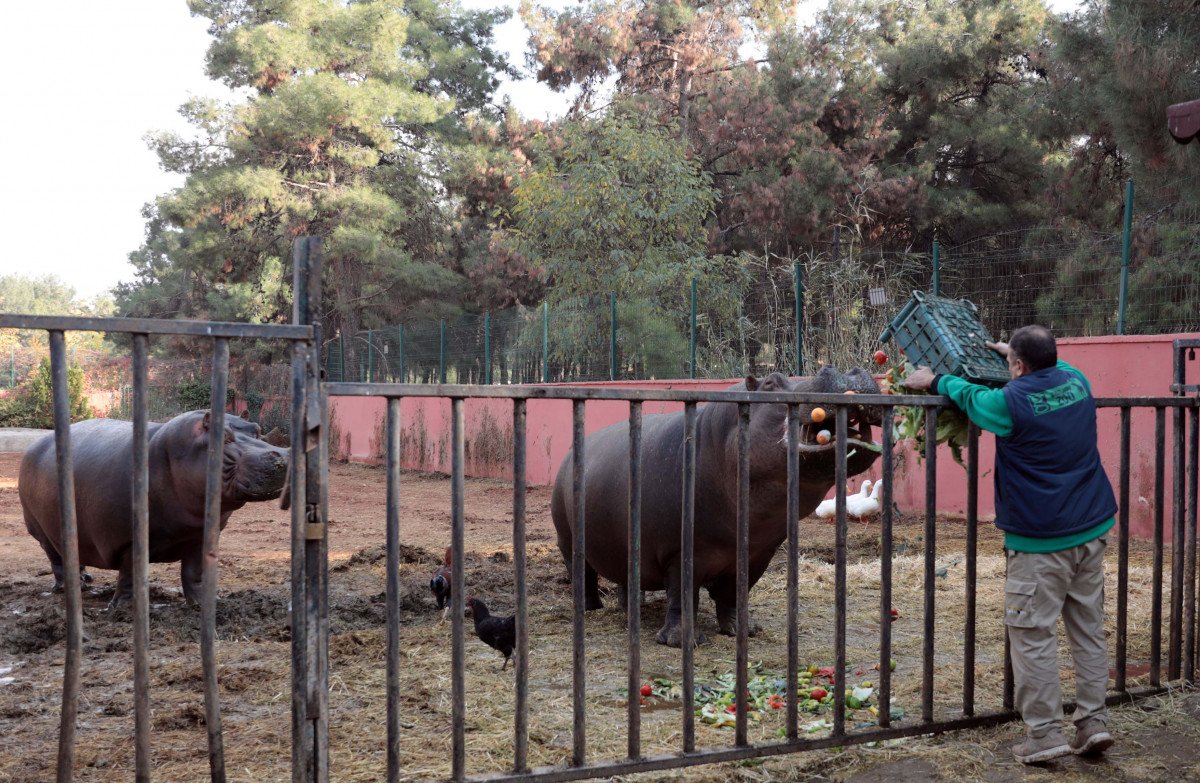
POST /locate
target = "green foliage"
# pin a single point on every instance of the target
(195, 395)
(33, 403)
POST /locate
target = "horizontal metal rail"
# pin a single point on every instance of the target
(718, 755)
(155, 326)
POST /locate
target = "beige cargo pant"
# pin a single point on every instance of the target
(1041, 587)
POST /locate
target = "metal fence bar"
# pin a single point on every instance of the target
(971, 569)
(1177, 547)
(1123, 556)
(457, 581)
(1156, 608)
(885, 575)
(633, 584)
(72, 598)
(687, 592)
(140, 555)
(578, 578)
(841, 414)
(793, 570)
(743, 575)
(521, 729)
(1190, 597)
(210, 570)
(302, 729)
(392, 542)
(931, 417)
(60, 323)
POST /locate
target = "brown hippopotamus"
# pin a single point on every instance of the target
(102, 451)
(715, 565)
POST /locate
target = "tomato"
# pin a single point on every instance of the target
(895, 613)
(819, 693)
(881, 357)
(647, 690)
(731, 708)
(826, 671)
(824, 436)
(817, 415)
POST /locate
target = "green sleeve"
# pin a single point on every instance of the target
(983, 405)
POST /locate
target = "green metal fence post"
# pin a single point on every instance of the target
(692, 357)
(487, 348)
(370, 356)
(612, 336)
(1126, 242)
(937, 269)
(403, 369)
(342, 354)
(798, 275)
(442, 354)
(545, 342)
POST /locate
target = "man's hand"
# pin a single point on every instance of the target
(1000, 348)
(920, 380)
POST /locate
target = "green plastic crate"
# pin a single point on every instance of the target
(946, 334)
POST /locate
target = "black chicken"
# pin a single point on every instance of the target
(440, 584)
(499, 633)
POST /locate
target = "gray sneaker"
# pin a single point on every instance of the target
(1091, 737)
(1035, 750)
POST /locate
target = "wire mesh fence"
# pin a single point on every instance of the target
(1066, 278)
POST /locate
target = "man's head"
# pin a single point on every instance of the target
(1031, 348)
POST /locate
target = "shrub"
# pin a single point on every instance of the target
(33, 404)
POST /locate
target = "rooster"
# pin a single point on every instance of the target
(440, 584)
(499, 633)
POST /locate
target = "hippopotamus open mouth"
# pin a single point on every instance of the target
(859, 418)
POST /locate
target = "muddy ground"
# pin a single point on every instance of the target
(1159, 739)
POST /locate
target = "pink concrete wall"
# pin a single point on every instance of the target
(1116, 366)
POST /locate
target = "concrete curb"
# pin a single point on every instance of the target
(17, 439)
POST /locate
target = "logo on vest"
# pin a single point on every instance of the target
(1057, 398)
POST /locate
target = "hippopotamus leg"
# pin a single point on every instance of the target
(124, 592)
(591, 589)
(723, 591)
(671, 634)
(191, 572)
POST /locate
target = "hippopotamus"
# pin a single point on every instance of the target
(606, 469)
(102, 451)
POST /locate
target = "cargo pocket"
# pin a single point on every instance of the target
(1020, 602)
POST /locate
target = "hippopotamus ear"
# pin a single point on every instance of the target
(751, 383)
(246, 415)
(202, 425)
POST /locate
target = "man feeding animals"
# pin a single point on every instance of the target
(1055, 506)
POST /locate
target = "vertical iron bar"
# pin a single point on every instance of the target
(793, 570)
(1123, 555)
(885, 573)
(692, 354)
(1189, 669)
(612, 345)
(545, 342)
(839, 574)
(521, 733)
(392, 542)
(798, 276)
(687, 592)
(633, 583)
(72, 598)
(303, 741)
(210, 571)
(927, 659)
(141, 562)
(578, 577)
(442, 352)
(316, 419)
(1177, 546)
(972, 552)
(937, 269)
(487, 348)
(1126, 243)
(1160, 472)
(458, 581)
(743, 574)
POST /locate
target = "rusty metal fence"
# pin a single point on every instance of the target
(1180, 655)
(308, 514)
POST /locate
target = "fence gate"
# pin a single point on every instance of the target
(309, 512)
(309, 547)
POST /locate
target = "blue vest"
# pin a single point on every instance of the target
(1049, 480)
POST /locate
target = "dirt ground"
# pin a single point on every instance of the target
(1158, 739)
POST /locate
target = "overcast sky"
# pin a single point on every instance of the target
(82, 83)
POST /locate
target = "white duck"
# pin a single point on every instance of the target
(861, 508)
(827, 509)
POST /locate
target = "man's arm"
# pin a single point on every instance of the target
(983, 405)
